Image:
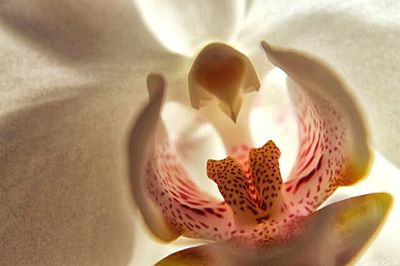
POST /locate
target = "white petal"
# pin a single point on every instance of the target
(62, 157)
(49, 45)
(62, 190)
(185, 26)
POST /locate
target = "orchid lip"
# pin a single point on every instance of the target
(256, 204)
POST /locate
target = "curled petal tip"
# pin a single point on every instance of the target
(269, 52)
(266, 45)
(385, 200)
(267, 48)
(155, 84)
(223, 74)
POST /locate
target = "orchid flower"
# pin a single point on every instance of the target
(73, 77)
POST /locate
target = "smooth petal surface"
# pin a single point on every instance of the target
(333, 139)
(185, 26)
(63, 196)
(332, 236)
(49, 45)
(65, 109)
(359, 39)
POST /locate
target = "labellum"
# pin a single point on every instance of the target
(259, 212)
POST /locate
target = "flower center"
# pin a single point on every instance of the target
(252, 188)
(251, 183)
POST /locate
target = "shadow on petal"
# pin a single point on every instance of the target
(62, 192)
(80, 31)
